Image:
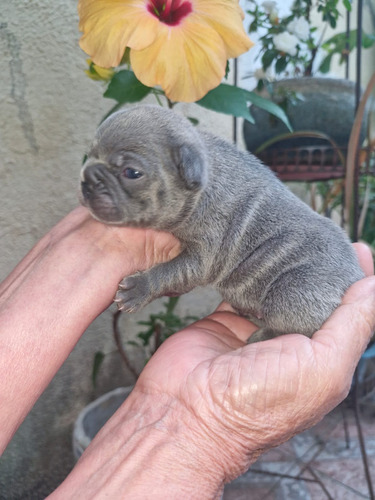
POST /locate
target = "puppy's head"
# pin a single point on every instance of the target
(146, 167)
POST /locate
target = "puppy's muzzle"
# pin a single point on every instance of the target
(100, 192)
(93, 180)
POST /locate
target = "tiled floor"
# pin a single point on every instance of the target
(323, 462)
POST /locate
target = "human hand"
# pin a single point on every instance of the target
(207, 403)
(52, 296)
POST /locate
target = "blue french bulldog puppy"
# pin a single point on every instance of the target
(242, 231)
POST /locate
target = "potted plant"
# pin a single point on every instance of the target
(294, 55)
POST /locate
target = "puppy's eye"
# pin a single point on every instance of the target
(131, 173)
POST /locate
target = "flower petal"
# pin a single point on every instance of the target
(186, 61)
(225, 16)
(109, 26)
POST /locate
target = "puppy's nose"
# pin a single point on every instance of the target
(93, 174)
(92, 179)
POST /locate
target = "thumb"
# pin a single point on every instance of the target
(347, 332)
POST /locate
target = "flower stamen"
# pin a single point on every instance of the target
(170, 12)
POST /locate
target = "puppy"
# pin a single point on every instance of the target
(269, 255)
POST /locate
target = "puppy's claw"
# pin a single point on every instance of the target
(127, 283)
(118, 301)
(133, 293)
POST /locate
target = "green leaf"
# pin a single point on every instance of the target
(171, 304)
(368, 40)
(98, 360)
(342, 44)
(347, 5)
(338, 43)
(227, 99)
(133, 343)
(270, 107)
(232, 100)
(193, 120)
(331, 19)
(268, 58)
(125, 87)
(146, 336)
(281, 64)
(253, 26)
(326, 64)
(227, 70)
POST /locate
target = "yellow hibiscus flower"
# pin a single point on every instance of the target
(181, 45)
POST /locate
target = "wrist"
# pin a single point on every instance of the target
(174, 454)
(184, 463)
(151, 448)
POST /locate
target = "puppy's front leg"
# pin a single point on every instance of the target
(175, 277)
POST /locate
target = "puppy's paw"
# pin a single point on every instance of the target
(134, 293)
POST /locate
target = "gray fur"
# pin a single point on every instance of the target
(242, 231)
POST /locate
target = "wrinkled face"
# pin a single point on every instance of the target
(115, 188)
(136, 176)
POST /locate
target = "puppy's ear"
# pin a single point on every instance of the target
(192, 166)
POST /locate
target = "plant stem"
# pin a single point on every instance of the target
(117, 337)
(171, 304)
(157, 336)
(156, 94)
(170, 103)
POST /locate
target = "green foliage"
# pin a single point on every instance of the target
(159, 327)
(330, 198)
(330, 194)
(98, 360)
(269, 56)
(235, 101)
(330, 12)
(162, 325)
(126, 88)
(298, 56)
(342, 45)
(228, 99)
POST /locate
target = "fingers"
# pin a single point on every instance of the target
(346, 333)
(226, 307)
(365, 258)
(241, 327)
(165, 246)
(351, 326)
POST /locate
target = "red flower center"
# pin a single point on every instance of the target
(170, 12)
